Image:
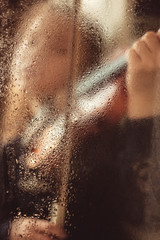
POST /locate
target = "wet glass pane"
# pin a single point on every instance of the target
(79, 97)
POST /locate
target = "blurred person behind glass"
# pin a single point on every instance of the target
(40, 71)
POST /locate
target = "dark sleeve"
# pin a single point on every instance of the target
(138, 137)
(4, 229)
(4, 214)
(2, 183)
(136, 163)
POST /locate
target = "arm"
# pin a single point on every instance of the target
(138, 157)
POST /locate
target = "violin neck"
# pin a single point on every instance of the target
(101, 77)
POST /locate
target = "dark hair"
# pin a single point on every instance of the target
(94, 44)
(90, 40)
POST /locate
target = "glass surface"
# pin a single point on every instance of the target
(79, 95)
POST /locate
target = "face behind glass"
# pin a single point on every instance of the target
(42, 56)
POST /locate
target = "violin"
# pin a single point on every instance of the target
(100, 95)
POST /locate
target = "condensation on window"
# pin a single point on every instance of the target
(79, 97)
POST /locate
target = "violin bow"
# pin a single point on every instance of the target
(58, 209)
